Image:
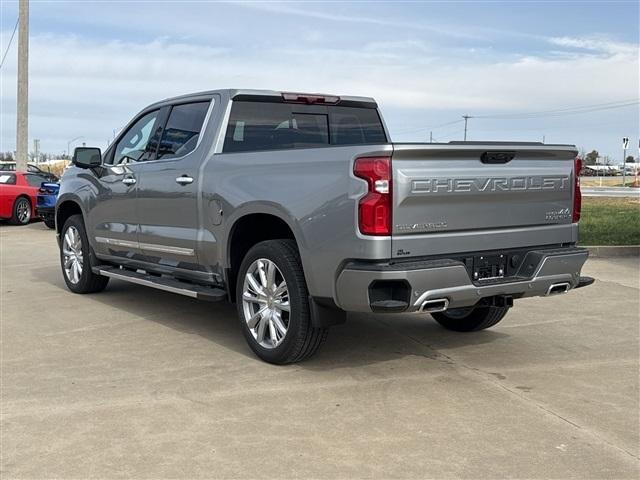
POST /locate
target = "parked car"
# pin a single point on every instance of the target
(46, 203)
(299, 208)
(31, 168)
(18, 195)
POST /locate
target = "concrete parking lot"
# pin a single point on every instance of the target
(134, 382)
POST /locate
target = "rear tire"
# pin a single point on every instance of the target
(74, 247)
(471, 319)
(21, 211)
(270, 268)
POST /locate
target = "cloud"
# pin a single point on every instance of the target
(597, 44)
(82, 86)
(334, 16)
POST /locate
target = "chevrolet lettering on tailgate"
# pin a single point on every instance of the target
(490, 184)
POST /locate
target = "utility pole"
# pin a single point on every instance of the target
(22, 125)
(466, 117)
(431, 137)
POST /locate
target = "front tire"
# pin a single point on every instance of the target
(21, 211)
(470, 319)
(50, 221)
(273, 304)
(75, 258)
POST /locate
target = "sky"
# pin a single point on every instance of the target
(523, 70)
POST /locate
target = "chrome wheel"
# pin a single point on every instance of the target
(72, 254)
(23, 211)
(265, 303)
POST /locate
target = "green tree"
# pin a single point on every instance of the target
(591, 157)
(630, 159)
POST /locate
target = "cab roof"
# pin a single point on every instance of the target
(267, 95)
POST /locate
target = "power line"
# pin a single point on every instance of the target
(10, 40)
(563, 111)
(432, 127)
(559, 112)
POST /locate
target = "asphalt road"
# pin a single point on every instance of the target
(140, 383)
(610, 192)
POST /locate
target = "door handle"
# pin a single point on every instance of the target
(129, 181)
(184, 180)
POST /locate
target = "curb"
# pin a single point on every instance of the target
(614, 251)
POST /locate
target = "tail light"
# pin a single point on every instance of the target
(310, 98)
(577, 195)
(374, 209)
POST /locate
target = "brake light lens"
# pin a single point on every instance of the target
(310, 99)
(374, 209)
(577, 194)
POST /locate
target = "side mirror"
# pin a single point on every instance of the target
(87, 157)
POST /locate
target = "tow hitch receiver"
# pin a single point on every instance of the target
(498, 301)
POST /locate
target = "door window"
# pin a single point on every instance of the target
(140, 142)
(181, 134)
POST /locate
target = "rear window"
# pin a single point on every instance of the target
(276, 126)
(34, 180)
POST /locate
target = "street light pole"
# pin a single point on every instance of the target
(22, 113)
(69, 145)
(625, 144)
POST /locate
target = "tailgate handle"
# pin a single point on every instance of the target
(497, 157)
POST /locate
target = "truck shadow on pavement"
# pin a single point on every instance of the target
(362, 340)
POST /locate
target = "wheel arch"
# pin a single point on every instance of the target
(249, 228)
(64, 209)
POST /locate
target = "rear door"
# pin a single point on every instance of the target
(168, 190)
(447, 191)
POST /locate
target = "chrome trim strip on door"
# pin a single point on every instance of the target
(166, 249)
(147, 246)
(117, 242)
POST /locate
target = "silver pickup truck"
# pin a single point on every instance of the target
(299, 208)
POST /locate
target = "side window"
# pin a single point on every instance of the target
(140, 141)
(7, 179)
(34, 180)
(182, 131)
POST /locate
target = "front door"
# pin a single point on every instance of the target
(113, 219)
(168, 193)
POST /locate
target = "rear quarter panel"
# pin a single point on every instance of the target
(312, 190)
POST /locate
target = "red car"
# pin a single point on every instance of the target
(18, 191)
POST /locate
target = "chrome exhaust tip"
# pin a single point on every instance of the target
(558, 288)
(435, 305)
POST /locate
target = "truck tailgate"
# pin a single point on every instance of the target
(453, 190)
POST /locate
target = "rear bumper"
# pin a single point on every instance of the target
(552, 271)
(42, 211)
